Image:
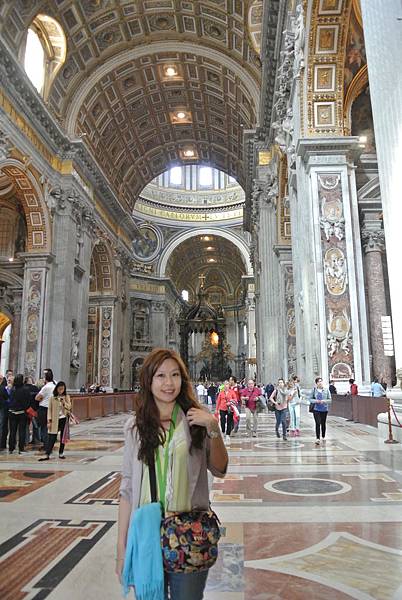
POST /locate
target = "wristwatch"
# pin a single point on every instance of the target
(213, 434)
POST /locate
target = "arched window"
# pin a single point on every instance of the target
(44, 52)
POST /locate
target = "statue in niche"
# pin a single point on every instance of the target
(75, 351)
(335, 271)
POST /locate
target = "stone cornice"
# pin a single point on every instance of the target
(314, 150)
(25, 99)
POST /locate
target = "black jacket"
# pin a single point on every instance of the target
(4, 397)
(20, 398)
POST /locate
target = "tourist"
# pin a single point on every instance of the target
(43, 398)
(20, 399)
(34, 436)
(185, 438)
(279, 398)
(249, 396)
(377, 390)
(5, 399)
(320, 398)
(224, 408)
(59, 410)
(353, 388)
(236, 418)
(332, 387)
(212, 393)
(201, 393)
(294, 401)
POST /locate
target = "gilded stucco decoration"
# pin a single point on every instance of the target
(101, 272)
(327, 63)
(36, 214)
(125, 115)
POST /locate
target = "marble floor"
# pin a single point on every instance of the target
(299, 522)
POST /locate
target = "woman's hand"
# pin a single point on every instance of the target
(119, 568)
(198, 416)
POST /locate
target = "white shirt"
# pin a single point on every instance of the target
(46, 392)
(201, 391)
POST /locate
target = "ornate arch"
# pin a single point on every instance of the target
(29, 194)
(236, 240)
(102, 279)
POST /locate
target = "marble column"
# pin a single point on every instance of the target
(374, 247)
(271, 366)
(15, 329)
(337, 301)
(251, 338)
(382, 38)
(34, 314)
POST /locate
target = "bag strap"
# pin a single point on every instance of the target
(152, 480)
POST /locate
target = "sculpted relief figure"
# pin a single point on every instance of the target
(75, 352)
(338, 339)
(300, 37)
(335, 271)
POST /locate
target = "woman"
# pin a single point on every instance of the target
(169, 415)
(19, 401)
(224, 408)
(294, 408)
(59, 411)
(320, 397)
(279, 397)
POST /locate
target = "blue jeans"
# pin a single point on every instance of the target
(281, 417)
(185, 586)
(42, 422)
(3, 427)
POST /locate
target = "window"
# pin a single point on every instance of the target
(34, 63)
(205, 176)
(184, 295)
(44, 52)
(176, 176)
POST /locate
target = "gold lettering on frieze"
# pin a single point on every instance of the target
(189, 216)
(143, 286)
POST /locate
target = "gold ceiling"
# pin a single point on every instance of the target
(215, 257)
(116, 89)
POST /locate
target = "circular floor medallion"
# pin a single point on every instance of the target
(307, 487)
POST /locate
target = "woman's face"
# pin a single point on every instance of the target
(319, 383)
(61, 389)
(166, 382)
(227, 386)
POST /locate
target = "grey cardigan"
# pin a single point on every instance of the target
(197, 465)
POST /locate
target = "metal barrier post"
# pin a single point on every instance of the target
(390, 439)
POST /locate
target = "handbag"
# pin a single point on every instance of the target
(73, 419)
(31, 412)
(261, 404)
(312, 404)
(189, 540)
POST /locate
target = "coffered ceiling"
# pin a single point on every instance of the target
(213, 256)
(115, 89)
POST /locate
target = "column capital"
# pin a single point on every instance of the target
(36, 259)
(373, 240)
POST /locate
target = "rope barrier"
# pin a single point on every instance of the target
(390, 439)
(396, 417)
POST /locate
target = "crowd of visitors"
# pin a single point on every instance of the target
(33, 413)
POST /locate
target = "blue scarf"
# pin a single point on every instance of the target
(143, 567)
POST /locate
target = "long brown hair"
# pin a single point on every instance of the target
(148, 421)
